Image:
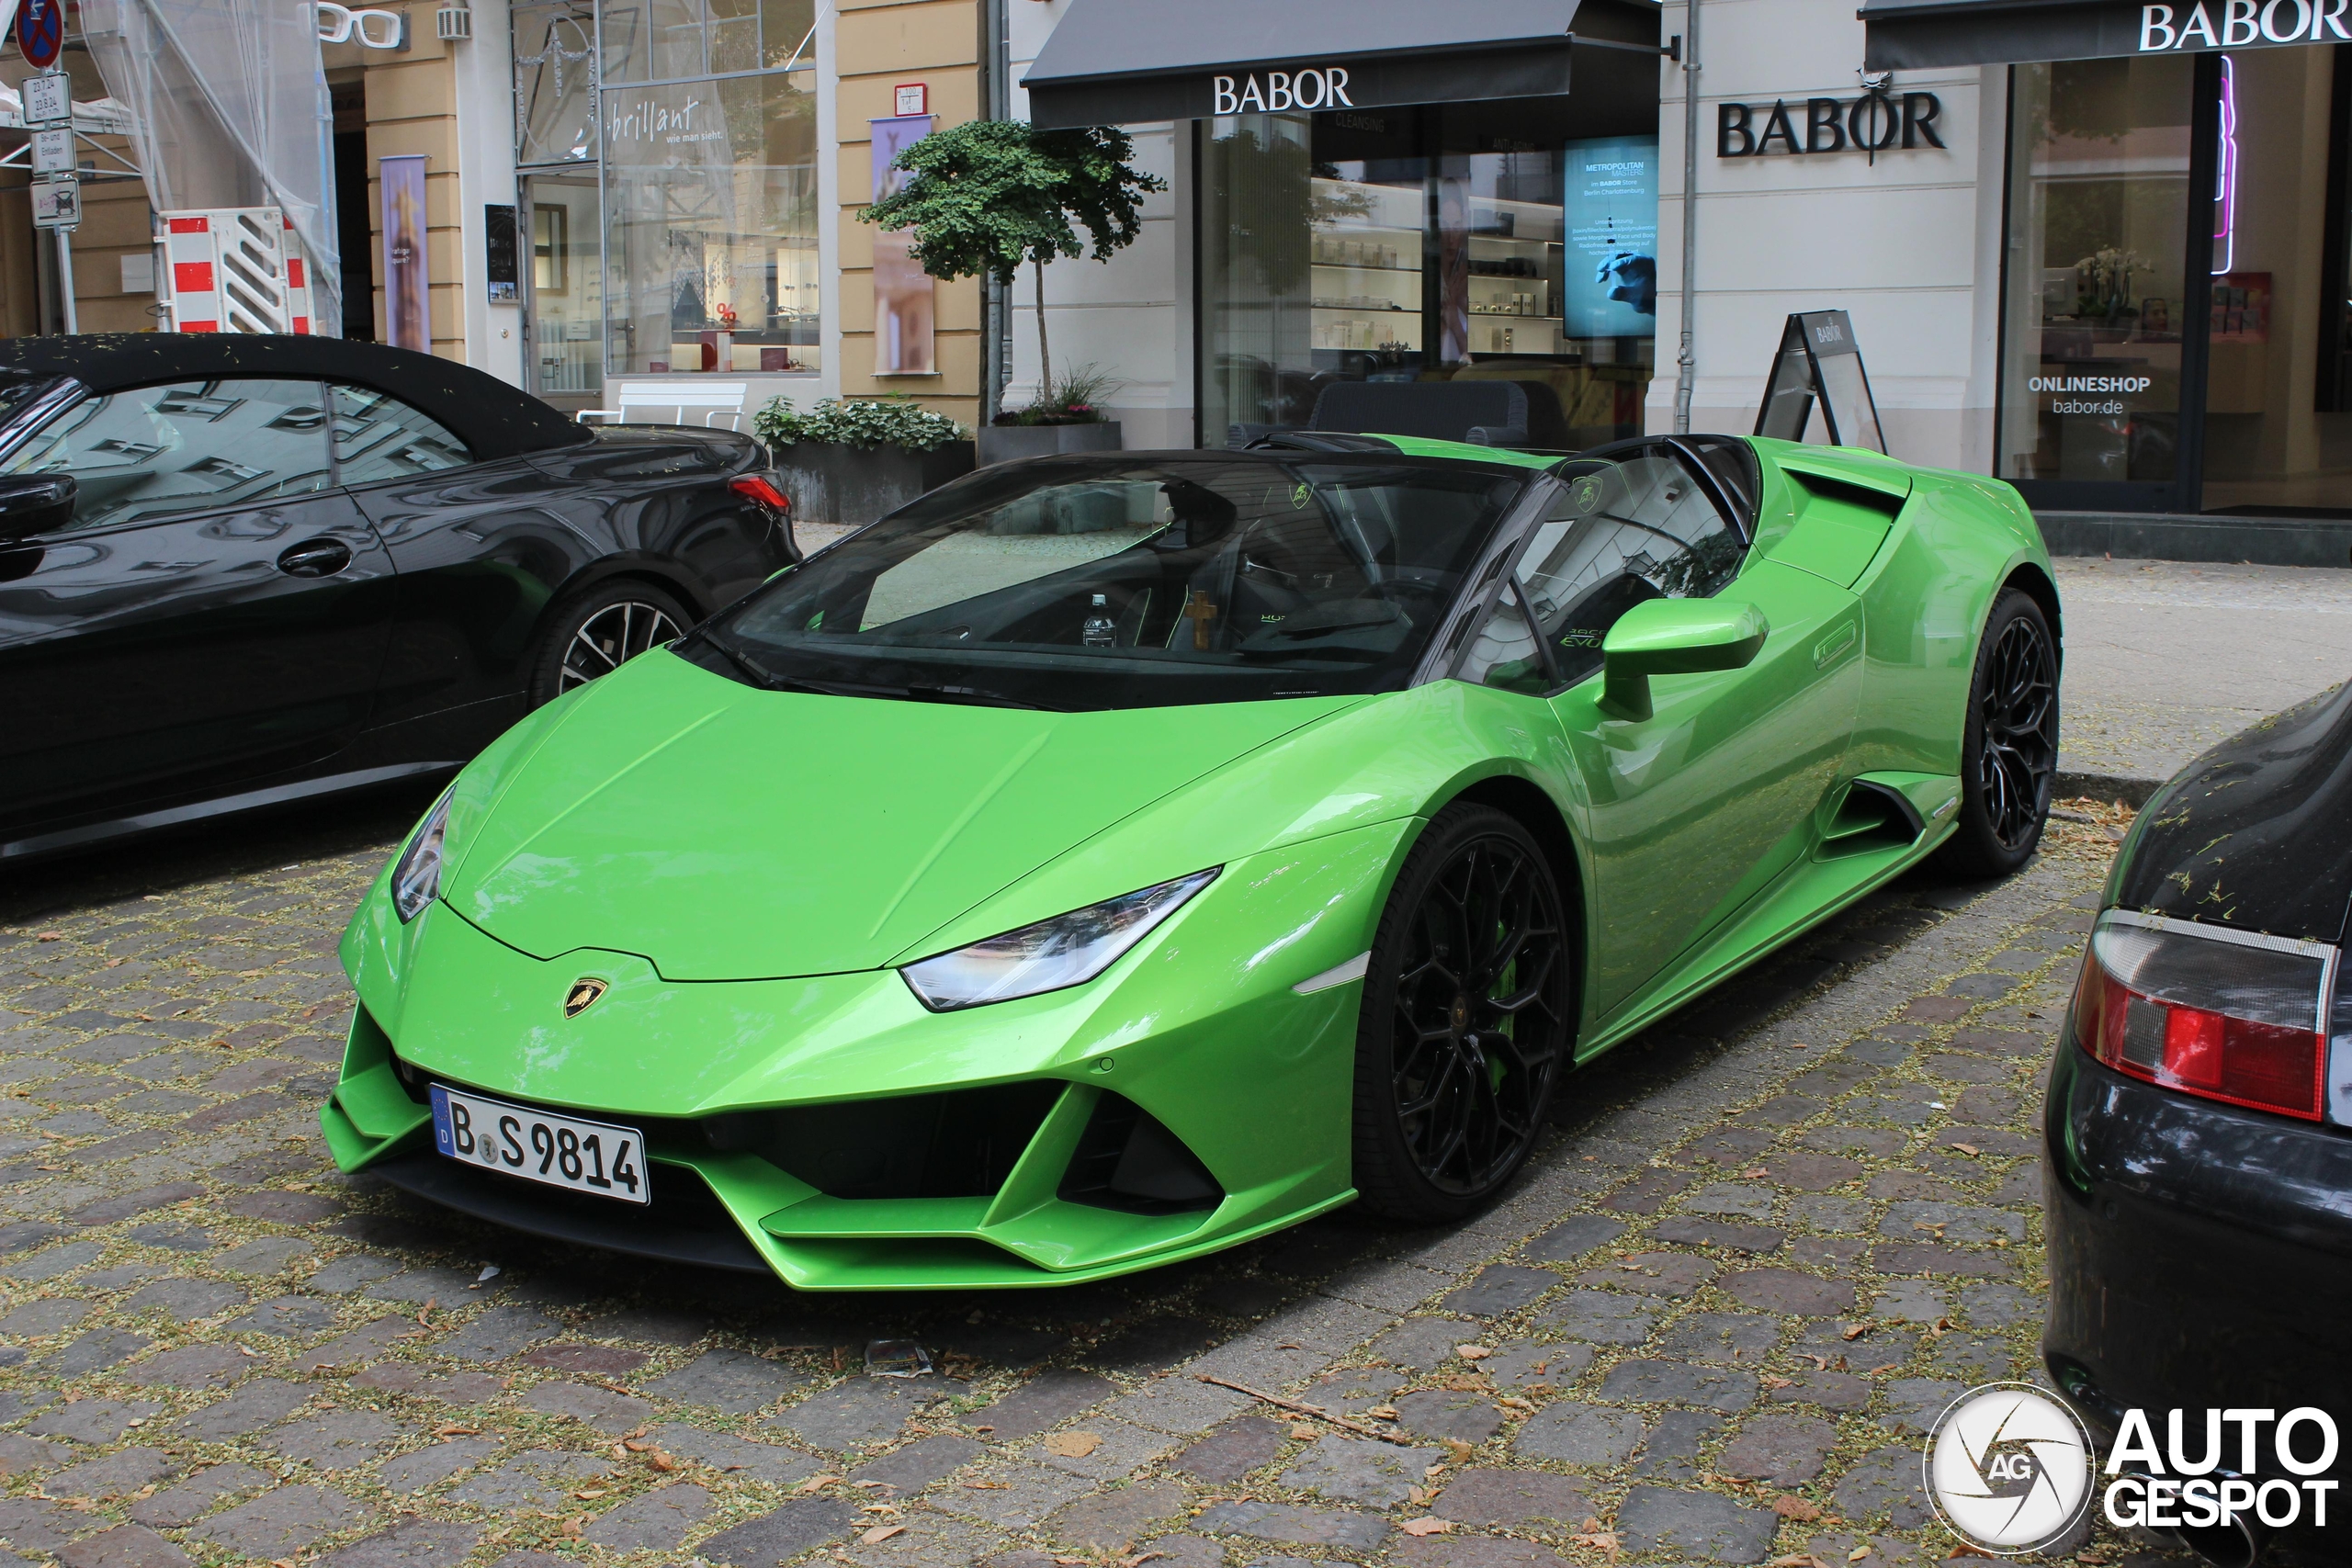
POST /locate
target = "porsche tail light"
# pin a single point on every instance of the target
(2228, 1015)
(761, 489)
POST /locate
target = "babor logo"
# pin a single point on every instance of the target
(2009, 1468)
(583, 994)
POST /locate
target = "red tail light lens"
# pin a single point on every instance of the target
(2226, 1014)
(763, 489)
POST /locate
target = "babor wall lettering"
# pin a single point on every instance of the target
(1873, 123)
(2239, 23)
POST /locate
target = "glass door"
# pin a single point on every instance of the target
(564, 307)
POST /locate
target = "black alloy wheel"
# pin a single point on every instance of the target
(2009, 756)
(1468, 1014)
(600, 630)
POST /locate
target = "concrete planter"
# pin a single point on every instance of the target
(1004, 443)
(854, 485)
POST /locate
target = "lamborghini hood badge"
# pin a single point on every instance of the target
(583, 994)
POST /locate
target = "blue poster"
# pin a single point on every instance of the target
(1610, 196)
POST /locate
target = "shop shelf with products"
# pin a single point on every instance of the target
(1364, 253)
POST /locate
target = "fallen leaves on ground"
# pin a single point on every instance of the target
(1427, 1524)
(879, 1534)
(1604, 1541)
(1474, 1352)
(1853, 1331)
(1790, 1508)
(1075, 1445)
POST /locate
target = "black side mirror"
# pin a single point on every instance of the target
(35, 503)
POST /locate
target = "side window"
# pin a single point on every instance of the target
(1637, 528)
(379, 437)
(193, 446)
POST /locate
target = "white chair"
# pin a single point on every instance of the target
(710, 399)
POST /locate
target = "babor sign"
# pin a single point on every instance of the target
(1876, 122)
(1310, 88)
(2242, 24)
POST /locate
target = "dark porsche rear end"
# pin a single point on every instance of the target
(2198, 1179)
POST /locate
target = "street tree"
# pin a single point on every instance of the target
(987, 195)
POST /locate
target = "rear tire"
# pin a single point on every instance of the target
(598, 630)
(1468, 1016)
(2010, 748)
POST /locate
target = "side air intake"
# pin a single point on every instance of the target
(1127, 1160)
(1870, 818)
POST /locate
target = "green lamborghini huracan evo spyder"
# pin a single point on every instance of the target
(1111, 858)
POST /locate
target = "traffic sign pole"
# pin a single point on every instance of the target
(65, 277)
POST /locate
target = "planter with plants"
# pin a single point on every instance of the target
(854, 461)
(985, 197)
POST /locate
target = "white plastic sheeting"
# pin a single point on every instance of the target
(229, 108)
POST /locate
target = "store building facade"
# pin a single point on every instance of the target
(2098, 248)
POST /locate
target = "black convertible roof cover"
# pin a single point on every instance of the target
(495, 420)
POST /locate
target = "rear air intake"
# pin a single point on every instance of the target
(1872, 816)
(1127, 1160)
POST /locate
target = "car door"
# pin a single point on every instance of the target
(213, 613)
(1696, 808)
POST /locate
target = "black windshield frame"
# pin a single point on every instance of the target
(1276, 627)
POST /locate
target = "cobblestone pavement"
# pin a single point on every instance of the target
(2166, 659)
(1766, 1242)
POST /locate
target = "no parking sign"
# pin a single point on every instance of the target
(40, 31)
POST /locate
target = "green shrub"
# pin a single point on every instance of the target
(894, 421)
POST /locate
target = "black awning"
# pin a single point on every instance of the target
(1124, 62)
(1910, 34)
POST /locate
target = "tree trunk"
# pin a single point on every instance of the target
(1045, 358)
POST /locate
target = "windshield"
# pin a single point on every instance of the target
(1137, 582)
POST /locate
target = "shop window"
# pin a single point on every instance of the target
(555, 83)
(710, 226)
(1511, 241)
(671, 41)
(2097, 282)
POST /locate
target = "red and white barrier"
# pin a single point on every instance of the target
(234, 269)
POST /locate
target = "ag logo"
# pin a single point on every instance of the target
(2009, 1469)
(1585, 495)
(583, 994)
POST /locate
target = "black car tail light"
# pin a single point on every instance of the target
(2227, 1015)
(763, 489)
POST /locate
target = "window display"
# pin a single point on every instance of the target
(1509, 241)
(710, 226)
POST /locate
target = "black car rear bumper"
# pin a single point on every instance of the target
(2200, 1258)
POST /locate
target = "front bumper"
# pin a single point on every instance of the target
(2200, 1256)
(1197, 1036)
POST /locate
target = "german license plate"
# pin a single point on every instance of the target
(562, 1151)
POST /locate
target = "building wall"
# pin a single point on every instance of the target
(1909, 246)
(413, 108)
(879, 44)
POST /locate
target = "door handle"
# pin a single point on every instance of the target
(315, 558)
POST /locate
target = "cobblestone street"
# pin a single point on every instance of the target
(1768, 1241)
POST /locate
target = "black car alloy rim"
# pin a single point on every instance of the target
(1480, 1016)
(2020, 716)
(611, 638)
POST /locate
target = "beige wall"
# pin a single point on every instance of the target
(413, 108)
(877, 45)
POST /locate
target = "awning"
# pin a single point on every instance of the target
(1912, 34)
(1126, 62)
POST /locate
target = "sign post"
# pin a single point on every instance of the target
(57, 204)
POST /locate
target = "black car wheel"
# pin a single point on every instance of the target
(2009, 753)
(1468, 1013)
(600, 630)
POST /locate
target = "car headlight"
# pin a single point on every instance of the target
(1051, 955)
(416, 875)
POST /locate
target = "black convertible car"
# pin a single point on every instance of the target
(238, 570)
(2199, 1151)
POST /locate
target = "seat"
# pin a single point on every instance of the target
(712, 399)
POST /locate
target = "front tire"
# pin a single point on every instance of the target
(2010, 749)
(1468, 1015)
(598, 630)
